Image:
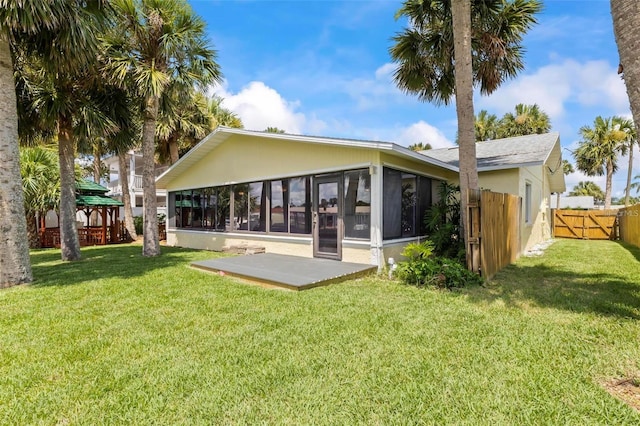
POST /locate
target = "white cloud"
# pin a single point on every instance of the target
(385, 71)
(260, 106)
(588, 83)
(425, 133)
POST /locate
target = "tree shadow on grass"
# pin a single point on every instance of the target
(542, 286)
(635, 251)
(104, 262)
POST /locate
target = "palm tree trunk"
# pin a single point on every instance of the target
(151, 242)
(461, 13)
(626, 26)
(32, 231)
(629, 173)
(123, 160)
(15, 265)
(607, 192)
(69, 242)
(173, 149)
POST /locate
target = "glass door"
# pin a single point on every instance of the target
(327, 217)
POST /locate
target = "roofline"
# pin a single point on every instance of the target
(403, 151)
(510, 166)
(382, 146)
(557, 141)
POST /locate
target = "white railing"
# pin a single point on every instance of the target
(137, 182)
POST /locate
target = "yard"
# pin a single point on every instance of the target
(117, 338)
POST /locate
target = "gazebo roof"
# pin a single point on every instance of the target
(96, 201)
(86, 187)
(90, 194)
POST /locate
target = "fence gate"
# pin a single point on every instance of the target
(586, 224)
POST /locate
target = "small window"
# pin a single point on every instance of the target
(279, 215)
(527, 203)
(300, 205)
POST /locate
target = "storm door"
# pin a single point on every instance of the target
(327, 217)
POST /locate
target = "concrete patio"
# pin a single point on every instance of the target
(290, 272)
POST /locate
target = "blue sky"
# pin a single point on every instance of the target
(322, 67)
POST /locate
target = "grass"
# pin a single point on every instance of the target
(120, 339)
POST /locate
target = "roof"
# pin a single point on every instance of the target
(96, 201)
(92, 194)
(507, 153)
(221, 134)
(87, 186)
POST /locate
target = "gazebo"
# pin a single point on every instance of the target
(106, 228)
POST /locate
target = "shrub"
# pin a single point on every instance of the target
(442, 223)
(137, 222)
(423, 268)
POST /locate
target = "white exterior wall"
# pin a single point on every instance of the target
(538, 230)
(513, 181)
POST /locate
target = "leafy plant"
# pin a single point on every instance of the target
(442, 222)
(137, 222)
(422, 268)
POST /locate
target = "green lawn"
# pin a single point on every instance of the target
(117, 338)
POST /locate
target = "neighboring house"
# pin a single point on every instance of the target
(528, 166)
(135, 182)
(244, 188)
(574, 202)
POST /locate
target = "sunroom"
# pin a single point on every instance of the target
(357, 201)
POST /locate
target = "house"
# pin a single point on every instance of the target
(574, 202)
(528, 166)
(350, 200)
(135, 182)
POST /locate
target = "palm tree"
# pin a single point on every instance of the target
(121, 143)
(424, 51)
(486, 126)
(588, 188)
(597, 153)
(273, 130)
(527, 120)
(183, 120)
(157, 43)
(482, 38)
(462, 41)
(77, 106)
(62, 32)
(223, 116)
(636, 184)
(626, 26)
(420, 146)
(41, 184)
(567, 167)
(629, 128)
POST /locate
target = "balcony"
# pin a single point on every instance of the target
(116, 189)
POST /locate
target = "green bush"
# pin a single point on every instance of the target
(137, 222)
(423, 268)
(442, 223)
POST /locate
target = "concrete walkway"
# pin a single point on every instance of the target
(291, 272)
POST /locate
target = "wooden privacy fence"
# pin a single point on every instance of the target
(494, 231)
(586, 224)
(629, 222)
